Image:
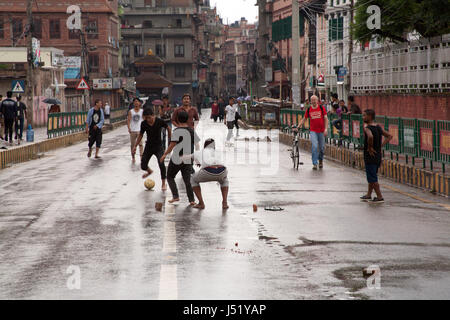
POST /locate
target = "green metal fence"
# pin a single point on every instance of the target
(119, 114)
(428, 140)
(62, 123)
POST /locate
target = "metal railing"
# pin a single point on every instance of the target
(64, 123)
(428, 140)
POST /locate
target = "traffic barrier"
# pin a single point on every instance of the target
(428, 140)
(434, 182)
(34, 150)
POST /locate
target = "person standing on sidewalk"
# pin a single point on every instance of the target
(134, 120)
(183, 141)
(108, 113)
(318, 125)
(94, 124)
(21, 114)
(9, 110)
(152, 126)
(1, 117)
(373, 145)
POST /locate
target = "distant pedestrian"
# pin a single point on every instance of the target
(9, 111)
(318, 125)
(354, 108)
(373, 145)
(2, 123)
(222, 106)
(165, 114)
(21, 114)
(215, 110)
(153, 147)
(94, 124)
(192, 112)
(108, 113)
(237, 117)
(212, 169)
(54, 108)
(134, 120)
(183, 144)
(230, 117)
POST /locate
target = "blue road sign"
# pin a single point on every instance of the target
(18, 86)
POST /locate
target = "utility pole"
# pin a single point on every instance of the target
(295, 55)
(84, 66)
(30, 80)
(350, 47)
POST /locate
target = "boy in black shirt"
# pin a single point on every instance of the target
(373, 145)
(94, 124)
(153, 126)
(182, 142)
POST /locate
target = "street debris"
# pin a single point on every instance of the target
(158, 206)
(273, 208)
(255, 208)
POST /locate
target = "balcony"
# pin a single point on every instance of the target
(168, 11)
(156, 32)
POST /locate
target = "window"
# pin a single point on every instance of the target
(2, 26)
(138, 50)
(17, 28)
(179, 71)
(126, 50)
(74, 34)
(94, 62)
(179, 25)
(55, 31)
(92, 29)
(160, 50)
(179, 50)
(148, 24)
(336, 29)
(37, 28)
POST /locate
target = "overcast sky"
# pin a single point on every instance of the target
(235, 9)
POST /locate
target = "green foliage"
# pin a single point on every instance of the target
(429, 18)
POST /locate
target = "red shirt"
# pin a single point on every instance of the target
(214, 109)
(317, 119)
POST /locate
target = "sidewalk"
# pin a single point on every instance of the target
(40, 134)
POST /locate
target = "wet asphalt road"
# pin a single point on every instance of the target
(66, 212)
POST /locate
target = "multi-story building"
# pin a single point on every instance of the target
(240, 43)
(337, 77)
(281, 37)
(100, 17)
(169, 28)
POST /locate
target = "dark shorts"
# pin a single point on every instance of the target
(371, 173)
(230, 124)
(95, 137)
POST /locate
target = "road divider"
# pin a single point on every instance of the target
(35, 150)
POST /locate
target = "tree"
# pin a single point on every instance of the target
(429, 18)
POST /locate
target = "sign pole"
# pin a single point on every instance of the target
(30, 80)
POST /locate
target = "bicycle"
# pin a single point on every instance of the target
(295, 152)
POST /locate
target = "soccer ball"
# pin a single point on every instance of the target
(149, 184)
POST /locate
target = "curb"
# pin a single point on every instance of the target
(437, 183)
(35, 150)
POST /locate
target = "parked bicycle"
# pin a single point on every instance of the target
(295, 152)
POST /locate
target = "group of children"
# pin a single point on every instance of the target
(183, 143)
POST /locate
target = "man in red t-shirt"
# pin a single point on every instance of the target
(318, 125)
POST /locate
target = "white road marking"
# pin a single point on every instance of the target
(168, 280)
